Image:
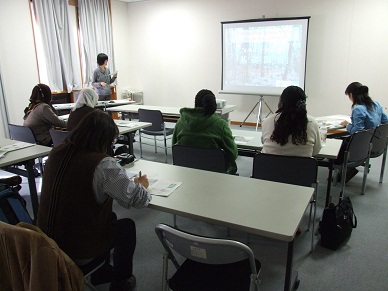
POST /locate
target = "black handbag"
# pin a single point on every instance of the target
(337, 224)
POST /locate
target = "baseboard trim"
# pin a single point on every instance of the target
(245, 123)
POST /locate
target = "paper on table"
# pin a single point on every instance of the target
(242, 139)
(125, 124)
(15, 146)
(162, 188)
(131, 174)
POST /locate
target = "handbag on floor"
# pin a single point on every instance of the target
(337, 224)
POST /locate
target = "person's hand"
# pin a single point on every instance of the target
(344, 123)
(143, 180)
(115, 75)
(103, 84)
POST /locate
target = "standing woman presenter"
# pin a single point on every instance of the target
(102, 78)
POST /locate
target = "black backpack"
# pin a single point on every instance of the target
(12, 205)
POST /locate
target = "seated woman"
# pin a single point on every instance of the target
(200, 127)
(39, 115)
(291, 132)
(366, 114)
(80, 183)
(85, 103)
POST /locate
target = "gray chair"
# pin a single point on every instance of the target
(357, 153)
(57, 136)
(209, 159)
(211, 263)
(157, 128)
(91, 267)
(379, 146)
(293, 170)
(24, 134)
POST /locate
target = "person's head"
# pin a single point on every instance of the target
(96, 132)
(292, 97)
(87, 97)
(293, 117)
(41, 93)
(359, 94)
(205, 99)
(101, 58)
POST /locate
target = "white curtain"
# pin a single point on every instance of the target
(96, 34)
(63, 69)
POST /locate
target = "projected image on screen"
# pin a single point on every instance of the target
(263, 56)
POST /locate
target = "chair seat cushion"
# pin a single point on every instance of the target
(194, 276)
(169, 131)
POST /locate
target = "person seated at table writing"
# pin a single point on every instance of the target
(290, 131)
(85, 103)
(39, 115)
(366, 114)
(80, 183)
(102, 78)
(201, 127)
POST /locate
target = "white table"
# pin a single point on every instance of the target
(329, 151)
(168, 111)
(105, 104)
(332, 121)
(26, 156)
(255, 206)
(127, 128)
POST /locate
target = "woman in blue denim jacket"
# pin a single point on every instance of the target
(366, 113)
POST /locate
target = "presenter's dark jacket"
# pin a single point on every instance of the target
(68, 211)
(196, 129)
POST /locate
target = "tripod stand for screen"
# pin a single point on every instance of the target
(259, 118)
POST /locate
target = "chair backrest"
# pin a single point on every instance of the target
(58, 136)
(203, 249)
(294, 170)
(21, 133)
(358, 147)
(379, 140)
(153, 116)
(210, 159)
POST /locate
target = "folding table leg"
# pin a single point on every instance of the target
(31, 184)
(290, 283)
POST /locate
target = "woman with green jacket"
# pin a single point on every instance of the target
(200, 127)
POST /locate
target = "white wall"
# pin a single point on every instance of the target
(175, 49)
(18, 62)
(172, 48)
(121, 44)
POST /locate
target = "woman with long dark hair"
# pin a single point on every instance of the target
(39, 115)
(291, 131)
(79, 185)
(366, 113)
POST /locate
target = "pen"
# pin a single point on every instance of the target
(139, 174)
